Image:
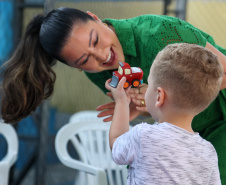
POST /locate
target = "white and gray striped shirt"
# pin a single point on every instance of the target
(165, 154)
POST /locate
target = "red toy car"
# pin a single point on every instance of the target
(134, 75)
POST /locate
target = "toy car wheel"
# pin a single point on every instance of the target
(126, 85)
(136, 83)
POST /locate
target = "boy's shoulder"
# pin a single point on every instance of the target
(167, 132)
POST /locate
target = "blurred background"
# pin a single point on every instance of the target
(37, 162)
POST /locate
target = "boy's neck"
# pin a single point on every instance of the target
(182, 121)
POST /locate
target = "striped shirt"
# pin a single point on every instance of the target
(165, 154)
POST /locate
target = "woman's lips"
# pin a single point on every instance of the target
(112, 60)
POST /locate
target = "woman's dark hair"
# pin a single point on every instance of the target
(28, 77)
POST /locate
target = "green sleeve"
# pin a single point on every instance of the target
(171, 30)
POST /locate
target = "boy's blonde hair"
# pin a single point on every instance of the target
(191, 73)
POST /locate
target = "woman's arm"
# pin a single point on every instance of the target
(107, 110)
(222, 58)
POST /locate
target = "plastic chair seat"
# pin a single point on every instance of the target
(90, 140)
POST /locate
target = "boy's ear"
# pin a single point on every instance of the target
(94, 16)
(160, 97)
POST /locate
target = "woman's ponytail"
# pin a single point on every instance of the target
(28, 77)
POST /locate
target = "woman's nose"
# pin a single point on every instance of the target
(99, 54)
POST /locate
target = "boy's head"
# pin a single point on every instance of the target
(190, 76)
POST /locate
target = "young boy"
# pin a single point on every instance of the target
(184, 79)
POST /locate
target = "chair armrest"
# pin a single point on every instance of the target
(11, 137)
(67, 160)
(78, 165)
(4, 172)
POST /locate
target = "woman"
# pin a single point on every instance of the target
(81, 40)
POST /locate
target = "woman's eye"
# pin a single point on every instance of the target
(96, 41)
(85, 61)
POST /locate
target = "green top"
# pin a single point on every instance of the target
(144, 36)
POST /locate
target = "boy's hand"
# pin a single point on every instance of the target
(119, 93)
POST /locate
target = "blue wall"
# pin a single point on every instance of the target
(6, 29)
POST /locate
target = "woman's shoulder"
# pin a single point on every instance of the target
(147, 22)
(158, 19)
(145, 18)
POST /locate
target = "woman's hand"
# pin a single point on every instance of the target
(135, 106)
(108, 110)
(137, 97)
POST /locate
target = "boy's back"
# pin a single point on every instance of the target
(166, 154)
(184, 79)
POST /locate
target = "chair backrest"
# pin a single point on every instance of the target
(90, 139)
(85, 115)
(10, 158)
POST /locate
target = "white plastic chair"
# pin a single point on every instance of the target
(85, 115)
(90, 139)
(10, 158)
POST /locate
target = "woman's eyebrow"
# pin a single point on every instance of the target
(90, 39)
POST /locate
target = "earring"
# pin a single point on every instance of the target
(80, 70)
(105, 24)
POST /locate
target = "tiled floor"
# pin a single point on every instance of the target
(56, 174)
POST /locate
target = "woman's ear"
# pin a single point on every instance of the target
(94, 16)
(160, 97)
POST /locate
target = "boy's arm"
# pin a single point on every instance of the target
(215, 176)
(120, 121)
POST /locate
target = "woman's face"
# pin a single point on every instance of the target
(93, 47)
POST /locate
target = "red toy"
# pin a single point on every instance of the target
(134, 75)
